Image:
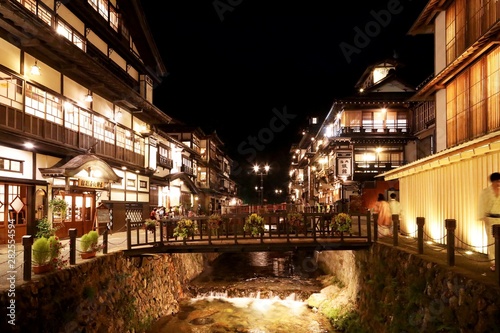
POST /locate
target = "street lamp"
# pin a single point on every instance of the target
(261, 171)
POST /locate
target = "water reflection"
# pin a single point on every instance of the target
(260, 292)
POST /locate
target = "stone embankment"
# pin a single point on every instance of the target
(397, 291)
(109, 293)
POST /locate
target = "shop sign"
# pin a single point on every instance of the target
(91, 183)
(344, 165)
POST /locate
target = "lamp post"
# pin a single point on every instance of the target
(261, 171)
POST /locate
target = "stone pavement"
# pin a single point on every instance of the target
(475, 265)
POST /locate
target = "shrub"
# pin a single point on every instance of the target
(185, 228)
(341, 223)
(41, 251)
(45, 228)
(254, 224)
(89, 241)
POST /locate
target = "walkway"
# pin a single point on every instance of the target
(475, 265)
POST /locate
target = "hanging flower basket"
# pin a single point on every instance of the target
(214, 221)
(341, 223)
(295, 221)
(254, 224)
(150, 225)
(185, 228)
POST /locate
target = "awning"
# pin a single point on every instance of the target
(185, 178)
(87, 163)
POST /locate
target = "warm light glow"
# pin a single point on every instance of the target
(257, 168)
(89, 98)
(29, 145)
(96, 173)
(35, 69)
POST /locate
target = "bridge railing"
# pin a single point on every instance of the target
(313, 226)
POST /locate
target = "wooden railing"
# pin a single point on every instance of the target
(313, 227)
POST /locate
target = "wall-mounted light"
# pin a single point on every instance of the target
(35, 69)
(88, 98)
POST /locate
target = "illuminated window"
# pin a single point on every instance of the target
(11, 165)
(67, 32)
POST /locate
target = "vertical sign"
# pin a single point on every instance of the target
(344, 165)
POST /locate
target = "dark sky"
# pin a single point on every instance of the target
(255, 68)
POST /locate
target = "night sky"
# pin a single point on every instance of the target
(257, 69)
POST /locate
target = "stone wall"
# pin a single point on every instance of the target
(107, 294)
(396, 291)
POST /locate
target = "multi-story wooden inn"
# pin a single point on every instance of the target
(77, 121)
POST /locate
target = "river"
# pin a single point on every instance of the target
(258, 292)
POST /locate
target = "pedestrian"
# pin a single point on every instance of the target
(152, 215)
(489, 212)
(384, 220)
(395, 206)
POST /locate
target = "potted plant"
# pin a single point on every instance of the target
(254, 224)
(55, 249)
(59, 206)
(45, 228)
(41, 255)
(185, 228)
(214, 221)
(150, 225)
(341, 223)
(89, 244)
(295, 221)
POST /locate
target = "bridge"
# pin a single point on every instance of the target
(313, 231)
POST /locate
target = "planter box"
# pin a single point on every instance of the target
(40, 269)
(87, 255)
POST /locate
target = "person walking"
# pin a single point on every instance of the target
(384, 220)
(395, 206)
(152, 214)
(489, 212)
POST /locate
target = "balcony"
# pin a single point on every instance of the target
(370, 130)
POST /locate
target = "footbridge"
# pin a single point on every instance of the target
(277, 231)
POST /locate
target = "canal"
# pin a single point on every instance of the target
(257, 292)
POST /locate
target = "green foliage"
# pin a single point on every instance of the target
(41, 251)
(89, 242)
(150, 225)
(341, 223)
(185, 228)
(254, 224)
(58, 205)
(89, 292)
(214, 221)
(45, 228)
(295, 219)
(55, 247)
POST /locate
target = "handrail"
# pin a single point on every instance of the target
(314, 226)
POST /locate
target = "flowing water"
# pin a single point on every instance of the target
(259, 292)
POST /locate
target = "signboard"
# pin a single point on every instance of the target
(91, 183)
(344, 166)
(103, 218)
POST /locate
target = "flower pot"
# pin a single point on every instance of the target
(40, 269)
(87, 255)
